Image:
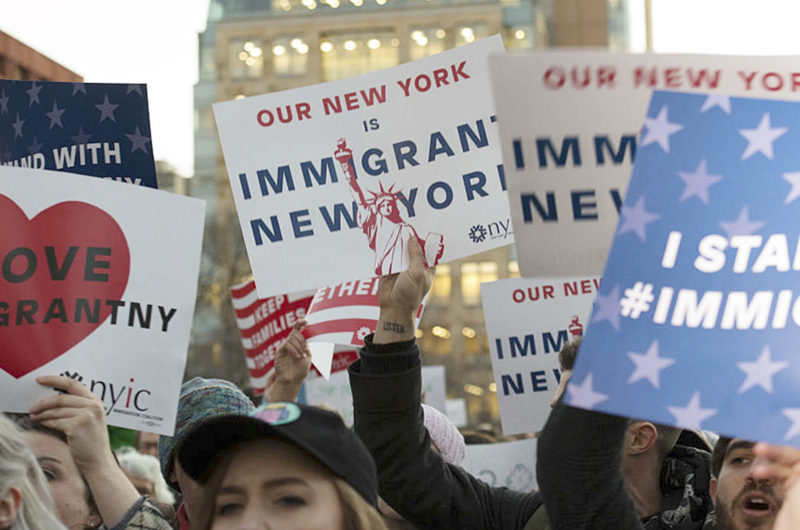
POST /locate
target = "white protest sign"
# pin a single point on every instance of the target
(528, 322)
(98, 282)
(457, 411)
(335, 392)
(509, 464)
(330, 181)
(570, 124)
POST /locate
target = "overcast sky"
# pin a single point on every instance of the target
(155, 42)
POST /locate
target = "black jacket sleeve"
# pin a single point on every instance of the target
(579, 469)
(413, 479)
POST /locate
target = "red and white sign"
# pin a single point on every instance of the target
(339, 318)
(97, 281)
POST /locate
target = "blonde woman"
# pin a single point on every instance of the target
(25, 502)
(285, 466)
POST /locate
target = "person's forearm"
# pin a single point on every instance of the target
(283, 391)
(112, 491)
(394, 325)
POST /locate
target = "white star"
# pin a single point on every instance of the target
(659, 130)
(692, 415)
(717, 100)
(649, 365)
(697, 183)
(760, 139)
(760, 372)
(583, 396)
(794, 180)
(794, 415)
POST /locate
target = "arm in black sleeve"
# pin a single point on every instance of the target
(579, 469)
(413, 478)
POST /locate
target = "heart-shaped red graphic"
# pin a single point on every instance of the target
(57, 272)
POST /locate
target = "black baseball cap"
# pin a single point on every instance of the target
(319, 432)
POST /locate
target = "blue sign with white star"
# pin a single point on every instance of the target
(697, 320)
(96, 129)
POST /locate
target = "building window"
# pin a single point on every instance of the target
(472, 276)
(289, 56)
(442, 283)
(469, 33)
(426, 41)
(246, 58)
(519, 38)
(349, 54)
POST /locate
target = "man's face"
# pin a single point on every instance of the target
(148, 443)
(741, 502)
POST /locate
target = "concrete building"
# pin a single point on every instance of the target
(249, 48)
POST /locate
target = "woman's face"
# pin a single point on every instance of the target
(271, 484)
(66, 484)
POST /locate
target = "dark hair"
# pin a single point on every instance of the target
(718, 456)
(568, 354)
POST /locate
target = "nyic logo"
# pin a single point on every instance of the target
(123, 399)
(478, 233)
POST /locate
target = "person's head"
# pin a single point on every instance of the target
(566, 361)
(71, 495)
(146, 443)
(25, 502)
(446, 439)
(200, 399)
(648, 443)
(740, 501)
(145, 474)
(283, 466)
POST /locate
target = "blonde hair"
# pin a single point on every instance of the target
(358, 513)
(19, 469)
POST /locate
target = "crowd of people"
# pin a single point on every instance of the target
(285, 465)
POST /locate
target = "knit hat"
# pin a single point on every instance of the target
(200, 399)
(320, 433)
(445, 435)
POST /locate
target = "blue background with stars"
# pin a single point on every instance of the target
(38, 117)
(711, 175)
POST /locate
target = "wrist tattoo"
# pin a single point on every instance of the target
(393, 327)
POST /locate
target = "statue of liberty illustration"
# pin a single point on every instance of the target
(379, 219)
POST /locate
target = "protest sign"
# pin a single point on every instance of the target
(98, 281)
(528, 322)
(457, 411)
(569, 127)
(96, 129)
(336, 178)
(335, 392)
(263, 325)
(697, 318)
(509, 464)
(339, 317)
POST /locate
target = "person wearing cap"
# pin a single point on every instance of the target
(201, 399)
(283, 465)
(386, 384)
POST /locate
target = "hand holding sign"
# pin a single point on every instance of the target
(400, 296)
(292, 363)
(79, 414)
